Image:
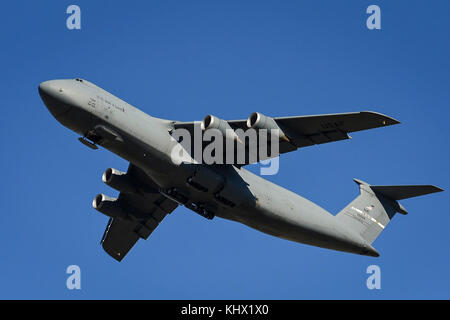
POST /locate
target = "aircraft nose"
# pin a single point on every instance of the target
(52, 94)
(48, 88)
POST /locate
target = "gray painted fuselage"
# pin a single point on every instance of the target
(146, 142)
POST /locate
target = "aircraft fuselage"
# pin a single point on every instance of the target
(146, 142)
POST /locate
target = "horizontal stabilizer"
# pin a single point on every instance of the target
(405, 192)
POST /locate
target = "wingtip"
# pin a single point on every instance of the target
(437, 189)
(432, 188)
(385, 120)
(359, 181)
(115, 255)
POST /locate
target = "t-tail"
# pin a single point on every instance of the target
(370, 212)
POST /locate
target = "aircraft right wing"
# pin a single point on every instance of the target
(148, 208)
(302, 131)
(318, 129)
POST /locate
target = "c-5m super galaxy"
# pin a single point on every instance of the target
(154, 185)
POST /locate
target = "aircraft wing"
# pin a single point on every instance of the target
(148, 208)
(303, 131)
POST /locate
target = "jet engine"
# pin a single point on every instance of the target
(259, 121)
(118, 180)
(108, 206)
(212, 122)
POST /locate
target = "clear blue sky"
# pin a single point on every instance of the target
(185, 59)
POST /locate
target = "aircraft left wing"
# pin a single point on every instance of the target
(146, 207)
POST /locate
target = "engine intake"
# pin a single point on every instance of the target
(259, 121)
(118, 180)
(108, 206)
(212, 122)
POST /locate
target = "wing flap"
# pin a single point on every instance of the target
(345, 122)
(119, 238)
(331, 127)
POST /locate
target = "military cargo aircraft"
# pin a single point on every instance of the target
(154, 184)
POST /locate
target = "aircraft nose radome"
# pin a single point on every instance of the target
(46, 87)
(51, 93)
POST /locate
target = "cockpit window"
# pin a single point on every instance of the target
(86, 83)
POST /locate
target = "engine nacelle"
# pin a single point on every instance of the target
(212, 122)
(118, 180)
(259, 121)
(108, 206)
